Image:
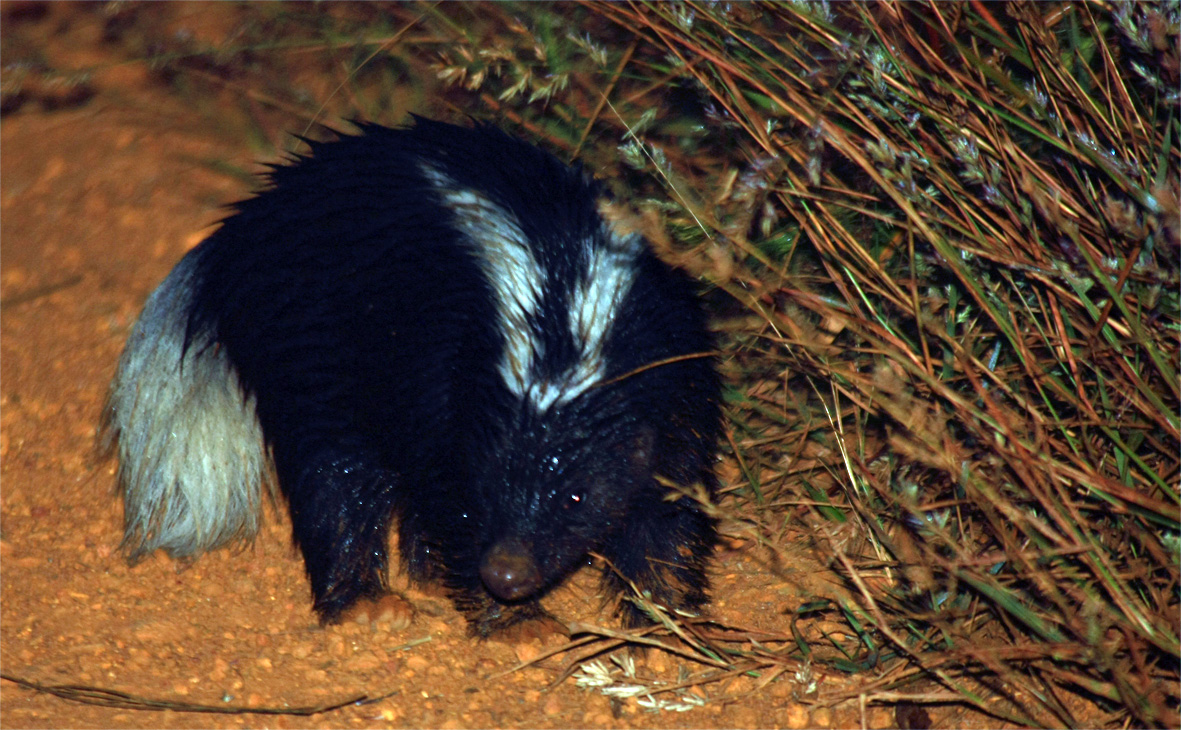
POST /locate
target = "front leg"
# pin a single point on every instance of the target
(341, 512)
(664, 552)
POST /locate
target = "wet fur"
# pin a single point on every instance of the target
(427, 327)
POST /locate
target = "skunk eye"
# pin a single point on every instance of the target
(575, 499)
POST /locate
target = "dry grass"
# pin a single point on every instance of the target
(955, 233)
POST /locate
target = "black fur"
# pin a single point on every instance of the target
(349, 301)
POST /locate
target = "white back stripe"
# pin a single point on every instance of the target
(517, 279)
(520, 283)
(594, 305)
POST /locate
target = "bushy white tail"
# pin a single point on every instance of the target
(192, 459)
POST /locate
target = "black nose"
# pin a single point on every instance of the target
(509, 571)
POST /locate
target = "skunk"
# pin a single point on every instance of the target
(433, 327)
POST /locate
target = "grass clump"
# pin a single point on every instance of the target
(955, 231)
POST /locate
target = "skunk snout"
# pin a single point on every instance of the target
(509, 571)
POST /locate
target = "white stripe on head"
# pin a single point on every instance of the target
(516, 277)
(594, 306)
(520, 284)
